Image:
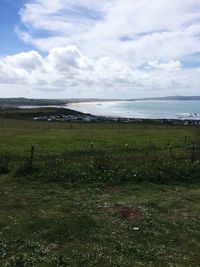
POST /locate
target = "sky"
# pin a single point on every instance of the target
(99, 48)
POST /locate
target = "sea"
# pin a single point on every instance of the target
(153, 109)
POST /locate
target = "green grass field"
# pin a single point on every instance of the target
(99, 194)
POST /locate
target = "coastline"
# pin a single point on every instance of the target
(95, 108)
(68, 113)
(125, 109)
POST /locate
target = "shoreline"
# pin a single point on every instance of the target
(88, 118)
(111, 110)
(68, 114)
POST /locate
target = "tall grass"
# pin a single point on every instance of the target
(92, 165)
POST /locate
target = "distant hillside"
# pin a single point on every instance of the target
(10, 102)
(169, 98)
(16, 102)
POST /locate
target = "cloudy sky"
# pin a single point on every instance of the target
(99, 48)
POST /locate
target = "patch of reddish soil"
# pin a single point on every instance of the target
(114, 189)
(132, 214)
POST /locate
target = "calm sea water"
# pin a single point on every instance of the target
(144, 109)
(161, 109)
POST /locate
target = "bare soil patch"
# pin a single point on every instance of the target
(128, 213)
(114, 189)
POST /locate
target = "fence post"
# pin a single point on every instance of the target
(31, 157)
(170, 151)
(92, 146)
(185, 139)
(193, 153)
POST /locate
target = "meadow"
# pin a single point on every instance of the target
(99, 194)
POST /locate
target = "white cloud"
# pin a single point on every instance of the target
(107, 48)
(29, 60)
(133, 31)
(66, 69)
(167, 66)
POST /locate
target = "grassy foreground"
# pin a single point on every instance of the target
(99, 195)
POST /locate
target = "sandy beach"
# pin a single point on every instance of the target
(96, 108)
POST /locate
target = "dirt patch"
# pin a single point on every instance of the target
(129, 213)
(114, 189)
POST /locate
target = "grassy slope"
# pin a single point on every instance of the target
(80, 227)
(17, 135)
(45, 223)
(16, 113)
